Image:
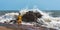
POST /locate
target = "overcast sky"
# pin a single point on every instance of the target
(18, 4)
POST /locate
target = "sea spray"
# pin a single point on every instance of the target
(7, 17)
(45, 20)
(48, 21)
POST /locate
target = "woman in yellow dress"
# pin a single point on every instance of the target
(19, 20)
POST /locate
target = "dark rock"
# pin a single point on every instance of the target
(31, 16)
(14, 21)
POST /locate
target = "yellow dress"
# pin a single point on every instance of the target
(19, 21)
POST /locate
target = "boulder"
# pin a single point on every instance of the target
(31, 16)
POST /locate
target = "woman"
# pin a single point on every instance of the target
(19, 20)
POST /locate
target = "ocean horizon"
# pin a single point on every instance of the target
(54, 13)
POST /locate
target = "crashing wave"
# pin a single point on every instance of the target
(7, 17)
(46, 20)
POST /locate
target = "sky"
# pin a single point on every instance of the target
(19, 4)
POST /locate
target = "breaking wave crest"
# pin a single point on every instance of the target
(46, 20)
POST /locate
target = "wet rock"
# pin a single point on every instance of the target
(31, 16)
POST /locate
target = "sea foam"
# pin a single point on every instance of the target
(48, 21)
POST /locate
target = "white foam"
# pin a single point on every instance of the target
(48, 21)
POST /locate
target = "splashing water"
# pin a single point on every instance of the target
(48, 21)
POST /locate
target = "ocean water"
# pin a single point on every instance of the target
(50, 18)
(54, 13)
(2, 12)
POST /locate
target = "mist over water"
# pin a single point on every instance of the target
(50, 19)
